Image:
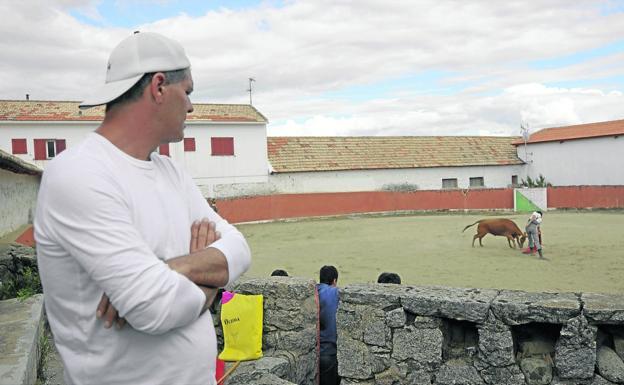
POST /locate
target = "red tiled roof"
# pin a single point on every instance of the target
(579, 131)
(300, 154)
(47, 110)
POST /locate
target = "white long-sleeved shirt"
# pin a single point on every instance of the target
(105, 223)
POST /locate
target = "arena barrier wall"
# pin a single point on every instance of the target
(586, 197)
(283, 206)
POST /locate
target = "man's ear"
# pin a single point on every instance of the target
(334, 282)
(156, 86)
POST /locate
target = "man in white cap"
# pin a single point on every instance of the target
(125, 233)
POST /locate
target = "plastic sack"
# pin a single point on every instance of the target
(241, 320)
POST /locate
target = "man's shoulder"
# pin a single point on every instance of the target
(84, 164)
(73, 157)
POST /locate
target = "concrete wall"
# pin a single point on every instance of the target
(375, 180)
(322, 204)
(604, 197)
(18, 198)
(271, 207)
(591, 161)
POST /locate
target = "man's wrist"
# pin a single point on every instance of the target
(210, 293)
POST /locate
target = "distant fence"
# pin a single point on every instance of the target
(268, 207)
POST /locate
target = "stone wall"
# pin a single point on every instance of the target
(397, 334)
(392, 334)
(289, 333)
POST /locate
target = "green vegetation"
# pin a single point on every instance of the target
(24, 284)
(45, 350)
(539, 182)
(400, 187)
(584, 251)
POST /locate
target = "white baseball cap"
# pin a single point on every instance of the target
(135, 56)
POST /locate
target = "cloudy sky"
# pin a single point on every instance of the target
(365, 67)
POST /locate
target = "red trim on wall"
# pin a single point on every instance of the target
(321, 204)
(19, 146)
(607, 197)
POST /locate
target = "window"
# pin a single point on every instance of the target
(48, 148)
(514, 180)
(163, 149)
(449, 183)
(189, 144)
(477, 182)
(51, 148)
(19, 146)
(222, 146)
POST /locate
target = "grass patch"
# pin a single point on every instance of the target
(584, 251)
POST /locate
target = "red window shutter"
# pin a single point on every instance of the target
(215, 145)
(228, 146)
(164, 149)
(189, 144)
(60, 146)
(19, 146)
(40, 149)
(222, 146)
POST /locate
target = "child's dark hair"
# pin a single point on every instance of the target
(327, 274)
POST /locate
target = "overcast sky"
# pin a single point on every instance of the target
(364, 67)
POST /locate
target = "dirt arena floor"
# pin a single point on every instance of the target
(584, 251)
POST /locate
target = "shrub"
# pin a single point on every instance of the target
(538, 182)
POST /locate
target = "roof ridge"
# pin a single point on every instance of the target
(582, 124)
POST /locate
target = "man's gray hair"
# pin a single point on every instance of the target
(135, 92)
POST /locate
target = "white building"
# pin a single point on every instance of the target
(342, 164)
(223, 144)
(585, 154)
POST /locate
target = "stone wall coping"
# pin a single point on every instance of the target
(21, 323)
(513, 307)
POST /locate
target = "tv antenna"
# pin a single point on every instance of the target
(524, 129)
(250, 89)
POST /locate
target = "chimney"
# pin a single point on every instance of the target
(27, 97)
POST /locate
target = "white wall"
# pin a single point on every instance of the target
(373, 180)
(18, 197)
(248, 165)
(72, 132)
(591, 161)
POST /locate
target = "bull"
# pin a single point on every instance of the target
(499, 226)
